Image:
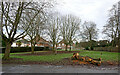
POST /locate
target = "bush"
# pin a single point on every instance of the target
(24, 49)
(47, 48)
(92, 48)
(86, 48)
(3, 43)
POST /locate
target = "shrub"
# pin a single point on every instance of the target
(92, 48)
(86, 48)
(24, 49)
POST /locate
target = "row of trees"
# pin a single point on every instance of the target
(69, 27)
(30, 19)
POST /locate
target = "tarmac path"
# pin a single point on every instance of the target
(12, 68)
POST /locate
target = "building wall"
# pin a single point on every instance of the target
(62, 45)
(43, 43)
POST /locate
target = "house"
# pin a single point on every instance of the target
(40, 42)
(24, 43)
(43, 43)
(62, 45)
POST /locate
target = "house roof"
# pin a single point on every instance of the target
(40, 39)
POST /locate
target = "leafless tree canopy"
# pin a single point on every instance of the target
(111, 29)
(53, 23)
(70, 24)
(89, 31)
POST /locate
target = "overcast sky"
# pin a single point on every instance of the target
(87, 10)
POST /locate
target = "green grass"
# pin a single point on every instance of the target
(106, 56)
(47, 58)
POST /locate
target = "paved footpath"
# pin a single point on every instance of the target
(12, 68)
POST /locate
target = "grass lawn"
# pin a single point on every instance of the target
(106, 56)
(48, 58)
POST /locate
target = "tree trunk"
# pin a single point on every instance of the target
(7, 51)
(66, 47)
(54, 50)
(70, 47)
(53, 47)
(119, 42)
(91, 44)
(32, 48)
(113, 43)
(56, 46)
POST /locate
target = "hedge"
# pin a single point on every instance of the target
(24, 49)
(110, 49)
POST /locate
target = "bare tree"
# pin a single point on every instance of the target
(70, 24)
(53, 30)
(73, 28)
(11, 15)
(37, 26)
(35, 29)
(89, 31)
(111, 29)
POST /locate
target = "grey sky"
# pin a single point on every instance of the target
(87, 10)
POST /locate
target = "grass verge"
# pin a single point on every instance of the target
(106, 56)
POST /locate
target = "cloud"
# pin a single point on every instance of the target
(90, 10)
